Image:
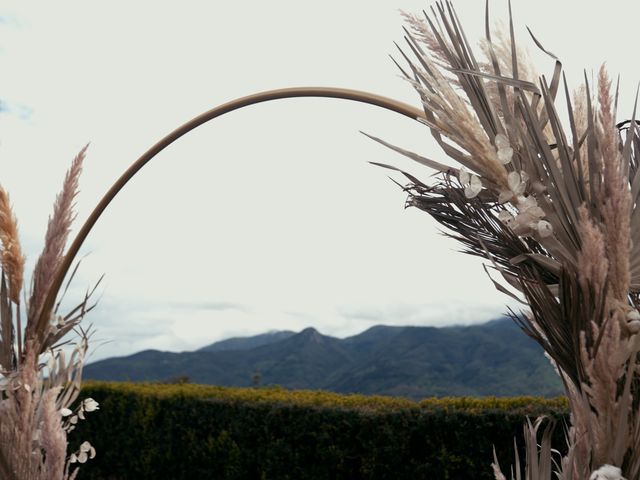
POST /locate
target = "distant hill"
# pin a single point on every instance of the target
(247, 343)
(495, 358)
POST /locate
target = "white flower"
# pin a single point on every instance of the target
(472, 183)
(633, 321)
(85, 453)
(51, 363)
(503, 148)
(502, 141)
(634, 326)
(529, 216)
(545, 229)
(89, 405)
(530, 205)
(506, 218)
(538, 187)
(607, 472)
(65, 412)
(4, 383)
(633, 315)
(524, 223)
(87, 448)
(464, 176)
(505, 196)
(526, 220)
(474, 187)
(517, 183)
(505, 155)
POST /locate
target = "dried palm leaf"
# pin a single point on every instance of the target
(555, 210)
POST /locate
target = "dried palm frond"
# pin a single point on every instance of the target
(554, 207)
(539, 456)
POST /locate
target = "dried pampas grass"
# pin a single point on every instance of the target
(553, 205)
(38, 385)
(54, 243)
(12, 259)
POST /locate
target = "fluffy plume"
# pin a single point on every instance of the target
(593, 265)
(52, 436)
(616, 213)
(55, 240)
(12, 258)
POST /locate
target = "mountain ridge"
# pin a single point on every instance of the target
(495, 358)
(245, 343)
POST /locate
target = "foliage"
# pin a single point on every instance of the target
(197, 431)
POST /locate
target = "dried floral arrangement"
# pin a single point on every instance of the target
(554, 208)
(40, 371)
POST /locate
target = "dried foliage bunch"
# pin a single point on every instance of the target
(554, 207)
(39, 383)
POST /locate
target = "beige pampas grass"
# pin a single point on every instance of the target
(12, 259)
(55, 240)
(616, 213)
(35, 409)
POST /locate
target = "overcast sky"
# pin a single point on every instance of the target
(270, 217)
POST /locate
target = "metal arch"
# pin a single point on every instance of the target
(329, 92)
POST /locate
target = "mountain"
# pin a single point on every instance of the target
(247, 343)
(495, 358)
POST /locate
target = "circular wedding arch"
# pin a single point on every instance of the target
(295, 92)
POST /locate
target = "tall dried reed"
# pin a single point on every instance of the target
(554, 207)
(38, 385)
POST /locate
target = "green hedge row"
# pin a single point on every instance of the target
(151, 431)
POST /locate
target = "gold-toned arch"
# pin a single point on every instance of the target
(341, 93)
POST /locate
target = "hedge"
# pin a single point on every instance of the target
(152, 431)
